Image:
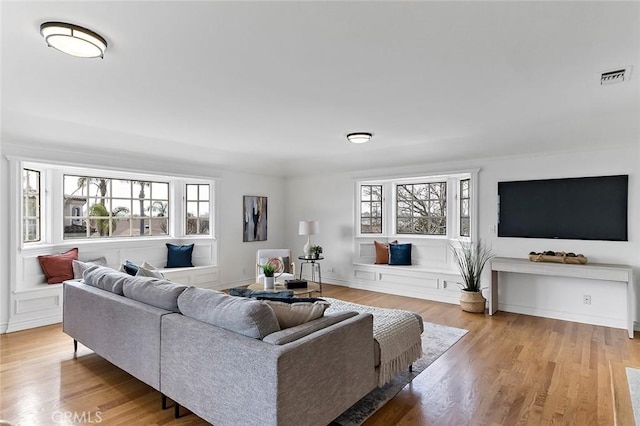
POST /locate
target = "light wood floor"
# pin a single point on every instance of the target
(509, 369)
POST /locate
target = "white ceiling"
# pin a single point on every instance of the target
(238, 85)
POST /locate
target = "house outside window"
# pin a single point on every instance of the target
(31, 206)
(101, 207)
(198, 209)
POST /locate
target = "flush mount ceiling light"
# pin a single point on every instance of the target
(359, 137)
(73, 40)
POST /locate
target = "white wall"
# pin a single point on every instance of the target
(41, 304)
(4, 241)
(329, 199)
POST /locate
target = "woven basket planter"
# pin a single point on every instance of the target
(472, 301)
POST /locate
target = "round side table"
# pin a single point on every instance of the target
(314, 265)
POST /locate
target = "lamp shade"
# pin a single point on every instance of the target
(73, 40)
(308, 227)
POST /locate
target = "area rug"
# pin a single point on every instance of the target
(436, 340)
(633, 378)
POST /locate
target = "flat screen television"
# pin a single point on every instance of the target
(587, 208)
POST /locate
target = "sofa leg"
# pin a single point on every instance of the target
(75, 345)
(164, 402)
(176, 410)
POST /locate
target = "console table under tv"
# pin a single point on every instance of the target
(594, 271)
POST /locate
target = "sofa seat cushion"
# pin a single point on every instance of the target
(245, 316)
(154, 291)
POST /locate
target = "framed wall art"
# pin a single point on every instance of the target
(254, 210)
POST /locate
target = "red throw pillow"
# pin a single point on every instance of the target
(58, 267)
(382, 251)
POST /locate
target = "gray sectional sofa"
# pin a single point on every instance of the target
(223, 357)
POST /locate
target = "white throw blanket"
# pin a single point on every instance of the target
(396, 331)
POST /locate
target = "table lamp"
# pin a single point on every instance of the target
(308, 228)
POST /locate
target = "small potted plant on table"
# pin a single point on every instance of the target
(316, 251)
(471, 259)
(269, 280)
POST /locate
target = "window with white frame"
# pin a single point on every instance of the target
(94, 205)
(370, 209)
(465, 208)
(421, 206)
(102, 207)
(198, 208)
(31, 202)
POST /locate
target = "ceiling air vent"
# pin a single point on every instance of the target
(615, 76)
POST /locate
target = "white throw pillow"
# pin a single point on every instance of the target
(79, 266)
(148, 270)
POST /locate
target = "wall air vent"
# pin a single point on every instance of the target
(615, 76)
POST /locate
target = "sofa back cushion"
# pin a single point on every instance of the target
(154, 291)
(248, 317)
(105, 278)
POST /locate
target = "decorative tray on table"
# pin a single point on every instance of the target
(558, 257)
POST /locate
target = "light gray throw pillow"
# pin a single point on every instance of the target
(148, 270)
(80, 266)
(248, 317)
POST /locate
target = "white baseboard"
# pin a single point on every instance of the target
(33, 323)
(566, 316)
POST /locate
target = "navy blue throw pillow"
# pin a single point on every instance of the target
(130, 267)
(399, 254)
(179, 256)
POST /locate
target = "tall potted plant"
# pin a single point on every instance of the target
(471, 259)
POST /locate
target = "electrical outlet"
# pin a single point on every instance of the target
(586, 299)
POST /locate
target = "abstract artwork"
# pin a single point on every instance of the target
(255, 218)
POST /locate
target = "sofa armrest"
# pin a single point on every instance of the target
(229, 379)
(123, 331)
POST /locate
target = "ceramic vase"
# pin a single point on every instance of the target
(269, 283)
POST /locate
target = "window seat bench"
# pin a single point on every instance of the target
(421, 281)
